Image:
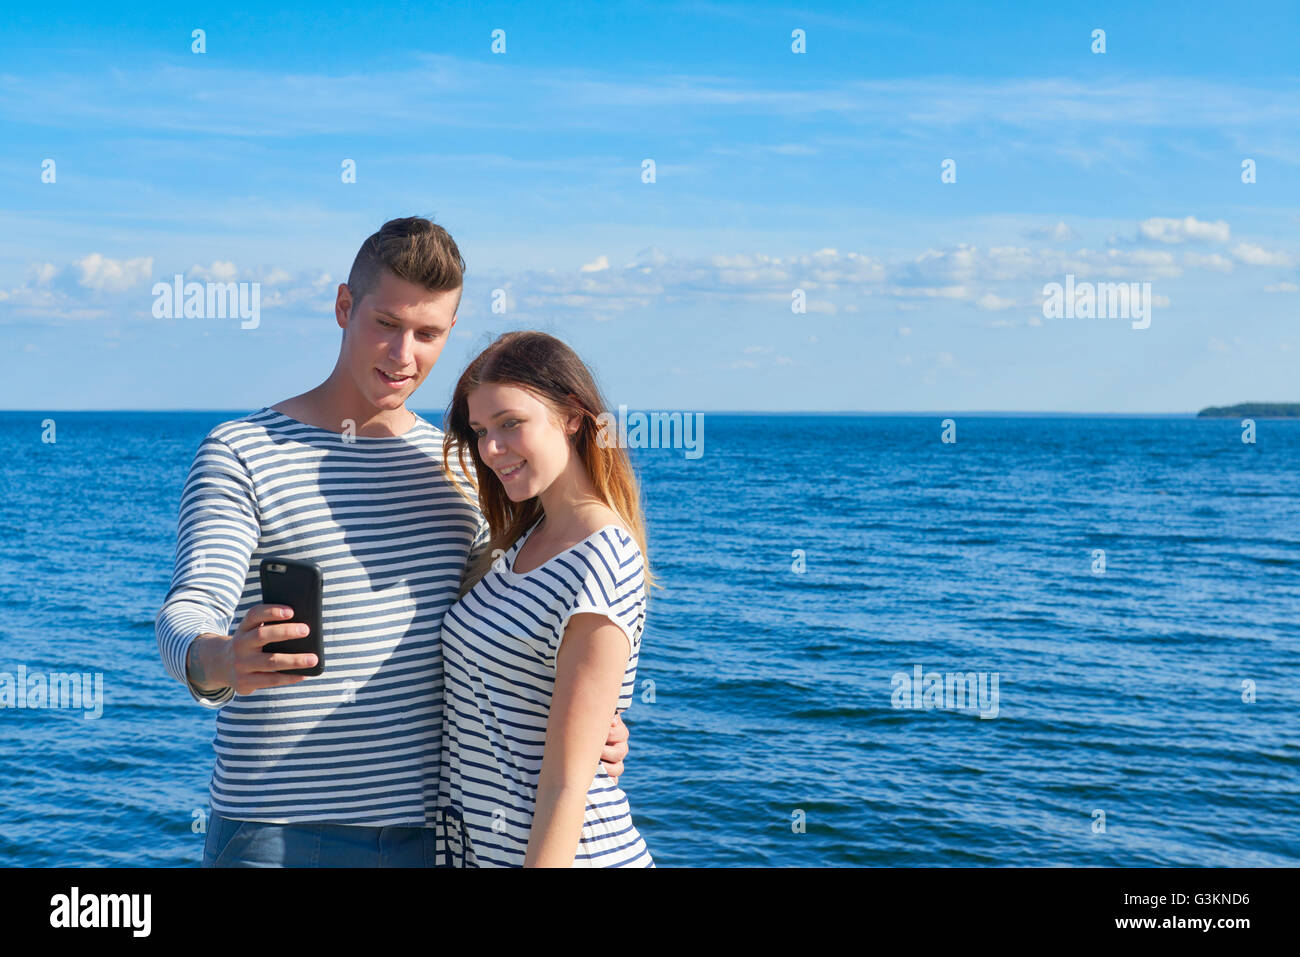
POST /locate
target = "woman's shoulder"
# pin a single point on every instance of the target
(605, 528)
(611, 557)
(601, 525)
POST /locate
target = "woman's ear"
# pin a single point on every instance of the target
(573, 423)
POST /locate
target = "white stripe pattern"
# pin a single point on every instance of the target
(500, 643)
(358, 744)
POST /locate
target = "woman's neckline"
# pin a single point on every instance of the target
(519, 547)
(366, 438)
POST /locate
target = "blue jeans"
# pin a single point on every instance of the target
(232, 843)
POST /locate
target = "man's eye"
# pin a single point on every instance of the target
(387, 325)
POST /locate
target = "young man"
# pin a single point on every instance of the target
(340, 769)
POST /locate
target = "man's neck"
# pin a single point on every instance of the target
(331, 405)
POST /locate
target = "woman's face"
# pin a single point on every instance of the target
(519, 438)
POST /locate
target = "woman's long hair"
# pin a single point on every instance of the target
(551, 371)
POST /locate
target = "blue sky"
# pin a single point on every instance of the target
(774, 171)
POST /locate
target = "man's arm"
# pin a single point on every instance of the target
(201, 666)
(615, 750)
(217, 530)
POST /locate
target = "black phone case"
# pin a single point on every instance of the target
(301, 587)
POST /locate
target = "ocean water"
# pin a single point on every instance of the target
(1146, 714)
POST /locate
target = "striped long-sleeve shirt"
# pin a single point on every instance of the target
(360, 743)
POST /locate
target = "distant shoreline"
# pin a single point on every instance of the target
(1252, 410)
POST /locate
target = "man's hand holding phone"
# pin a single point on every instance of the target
(238, 661)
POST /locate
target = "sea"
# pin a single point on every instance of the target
(881, 640)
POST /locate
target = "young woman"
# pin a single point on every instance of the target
(541, 648)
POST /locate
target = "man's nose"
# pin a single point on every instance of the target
(403, 352)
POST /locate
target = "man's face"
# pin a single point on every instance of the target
(398, 329)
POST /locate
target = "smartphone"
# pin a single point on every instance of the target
(299, 585)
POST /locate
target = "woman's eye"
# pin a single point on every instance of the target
(510, 423)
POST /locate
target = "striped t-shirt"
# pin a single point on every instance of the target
(500, 643)
(359, 743)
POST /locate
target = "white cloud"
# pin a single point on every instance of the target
(219, 271)
(42, 273)
(838, 281)
(1283, 287)
(1253, 255)
(1131, 264)
(829, 266)
(651, 256)
(1058, 233)
(66, 294)
(931, 292)
(993, 302)
(1182, 230)
(1145, 257)
(957, 263)
(1213, 261)
(113, 275)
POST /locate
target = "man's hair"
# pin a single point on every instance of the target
(415, 249)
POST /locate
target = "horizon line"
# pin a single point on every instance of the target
(883, 412)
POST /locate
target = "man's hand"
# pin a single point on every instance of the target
(218, 661)
(615, 750)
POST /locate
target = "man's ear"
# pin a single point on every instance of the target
(342, 305)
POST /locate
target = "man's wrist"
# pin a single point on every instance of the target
(196, 670)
